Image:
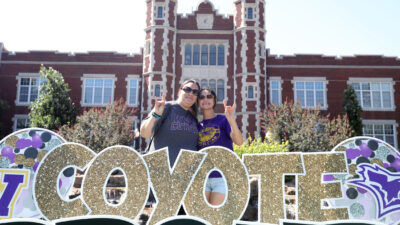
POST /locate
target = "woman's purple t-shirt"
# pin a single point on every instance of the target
(215, 132)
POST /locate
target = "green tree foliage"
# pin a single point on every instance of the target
(305, 129)
(353, 110)
(54, 107)
(259, 146)
(99, 128)
(3, 108)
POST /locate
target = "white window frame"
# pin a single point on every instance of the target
(201, 43)
(19, 77)
(279, 80)
(216, 86)
(16, 118)
(96, 76)
(246, 11)
(312, 79)
(353, 80)
(156, 6)
(255, 91)
(383, 122)
(128, 80)
(153, 90)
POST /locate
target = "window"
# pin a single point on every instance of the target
(250, 92)
(250, 13)
(98, 90)
(310, 94)
(157, 90)
(196, 55)
(21, 122)
(218, 86)
(275, 92)
(221, 55)
(213, 55)
(133, 91)
(384, 130)
(220, 90)
(29, 89)
(160, 12)
(204, 83)
(206, 55)
(213, 85)
(374, 95)
(188, 54)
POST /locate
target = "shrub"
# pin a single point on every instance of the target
(259, 146)
(305, 129)
(99, 128)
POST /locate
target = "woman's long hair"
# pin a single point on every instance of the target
(193, 109)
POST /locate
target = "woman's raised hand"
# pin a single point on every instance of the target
(230, 111)
(159, 105)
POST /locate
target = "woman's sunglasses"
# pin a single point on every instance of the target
(189, 89)
(201, 97)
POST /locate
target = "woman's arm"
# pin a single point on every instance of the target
(235, 134)
(146, 128)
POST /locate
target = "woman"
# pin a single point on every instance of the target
(174, 124)
(221, 130)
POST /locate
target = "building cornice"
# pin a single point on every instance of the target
(72, 63)
(333, 67)
(250, 28)
(204, 32)
(149, 28)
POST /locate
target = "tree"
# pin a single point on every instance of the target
(3, 108)
(54, 107)
(353, 110)
(305, 129)
(99, 128)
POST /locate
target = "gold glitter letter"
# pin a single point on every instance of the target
(137, 182)
(170, 186)
(272, 168)
(311, 189)
(238, 188)
(49, 201)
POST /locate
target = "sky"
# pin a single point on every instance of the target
(328, 27)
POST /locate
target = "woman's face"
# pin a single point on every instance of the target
(188, 95)
(206, 100)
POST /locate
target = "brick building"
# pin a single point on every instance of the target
(227, 53)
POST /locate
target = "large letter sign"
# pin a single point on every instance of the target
(11, 183)
(357, 182)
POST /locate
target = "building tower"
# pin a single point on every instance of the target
(159, 51)
(249, 71)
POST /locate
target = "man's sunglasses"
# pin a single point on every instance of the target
(189, 89)
(201, 97)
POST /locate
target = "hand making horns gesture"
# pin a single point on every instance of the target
(230, 111)
(159, 105)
